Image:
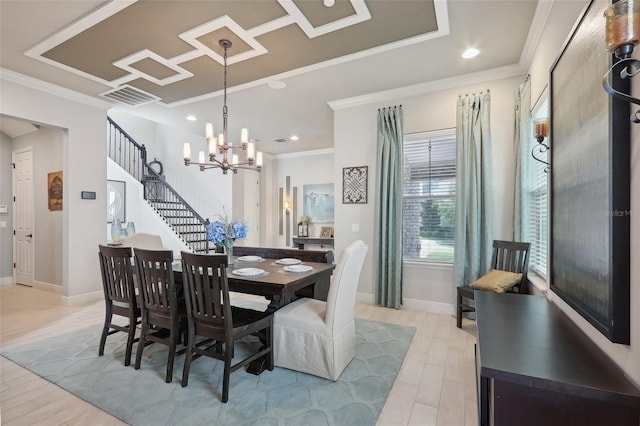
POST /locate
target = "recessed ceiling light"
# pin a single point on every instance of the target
(293, 138)
(191, 117)
(277, 84)
(329, 3)
(470, 53)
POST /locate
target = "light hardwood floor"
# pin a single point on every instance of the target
(436, 385)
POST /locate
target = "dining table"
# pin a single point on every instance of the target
(275, 281)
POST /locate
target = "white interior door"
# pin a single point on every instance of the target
(23, 216)
(252, 207)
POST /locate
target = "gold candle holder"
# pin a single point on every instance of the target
(622, 24)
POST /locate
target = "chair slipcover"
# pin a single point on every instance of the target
(318, 337)
(143, 241)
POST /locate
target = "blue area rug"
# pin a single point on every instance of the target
(278, 397)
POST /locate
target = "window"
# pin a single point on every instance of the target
(429, 196)
(537, 203)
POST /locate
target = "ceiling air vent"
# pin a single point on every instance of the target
(129, 95)
(280, 140)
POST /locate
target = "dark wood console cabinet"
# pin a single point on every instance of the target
(535, 367)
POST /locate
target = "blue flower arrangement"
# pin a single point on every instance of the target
(224, 232)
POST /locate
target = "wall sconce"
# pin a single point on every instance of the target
(287, 209)
(622, 20)
(541, 127)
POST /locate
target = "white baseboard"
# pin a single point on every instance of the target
(81, 299)
(41, 285)
(428, 306)
(6, 280)
(415, 304)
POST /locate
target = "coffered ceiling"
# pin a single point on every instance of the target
(161, 59)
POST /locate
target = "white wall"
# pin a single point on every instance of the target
(424, 286)
(84, 169)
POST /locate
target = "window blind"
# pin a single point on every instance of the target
(537, 211)
(429, 188)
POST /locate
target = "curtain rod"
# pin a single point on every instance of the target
(474, 93)
(396, 106)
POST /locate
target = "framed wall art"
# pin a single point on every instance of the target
(590, 181)
(318, 202)
(354, 185)
(54, 190)
(116, 200)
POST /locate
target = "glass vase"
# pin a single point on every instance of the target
(131, 228)
(116, 230)
(228, 249)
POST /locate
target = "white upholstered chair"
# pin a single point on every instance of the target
(143, 241)
(319, 337)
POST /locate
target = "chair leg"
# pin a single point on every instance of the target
(141, 344)
(105, 330)
(269, 339)
(458, 308)
(226, 374)
(130, 339)
(187, 360)
(173, 338)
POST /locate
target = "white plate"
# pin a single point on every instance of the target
(288, 261)
(250, 258)
(248, 272)
(298, 268)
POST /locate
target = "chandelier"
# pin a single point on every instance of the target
(220, 145)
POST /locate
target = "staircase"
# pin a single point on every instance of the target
(187, 224)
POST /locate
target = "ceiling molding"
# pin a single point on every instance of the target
(299, 154)
(543, 9)
(428, 87)
(53, 89)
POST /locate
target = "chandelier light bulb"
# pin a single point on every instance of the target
(186, 150)
(250, 152)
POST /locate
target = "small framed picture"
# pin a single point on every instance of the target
(326, 232)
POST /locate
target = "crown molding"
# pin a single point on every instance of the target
(34, 83)
(428, 87)
(540, 17)
(299, 154)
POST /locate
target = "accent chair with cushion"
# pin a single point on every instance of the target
(143, 241)
(509, 265)
(317, 337)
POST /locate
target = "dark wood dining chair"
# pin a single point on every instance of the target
(510, 256)
(161, 309)
(211, 317)
(119, 295)
(319, 292)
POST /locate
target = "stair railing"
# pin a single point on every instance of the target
(191, 227)
(177, 213)
(125, 151)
